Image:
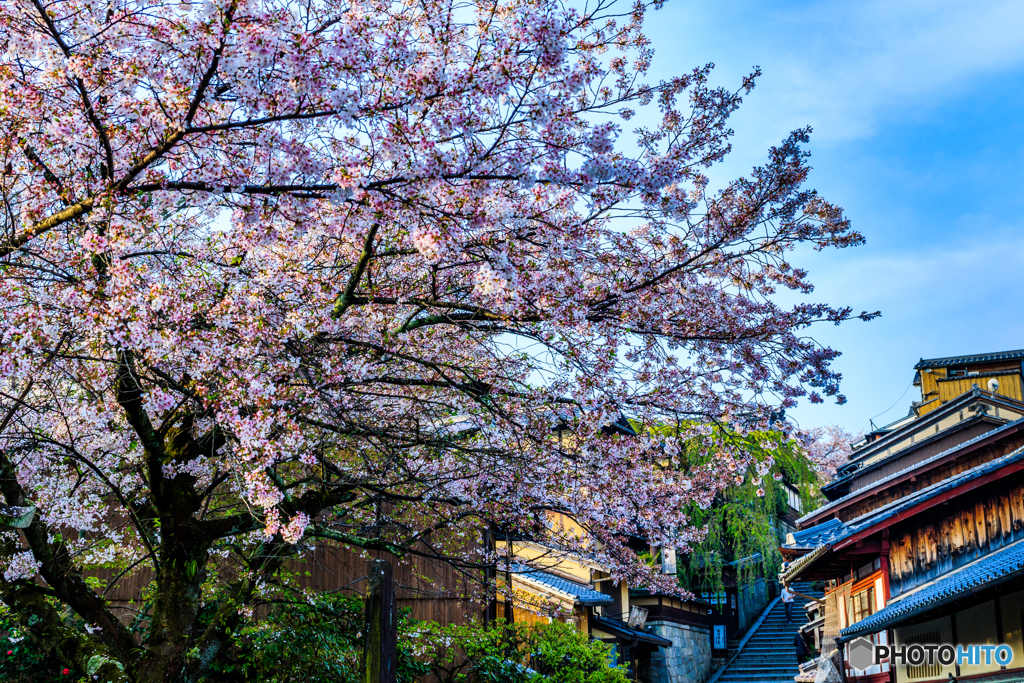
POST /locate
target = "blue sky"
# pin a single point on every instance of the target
(918, 134)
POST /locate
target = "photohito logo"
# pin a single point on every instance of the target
(862, 653)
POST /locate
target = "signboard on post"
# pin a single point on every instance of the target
(719, 642)
(637, 617)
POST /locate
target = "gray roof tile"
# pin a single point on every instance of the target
(584, 595)
(814, 536)
(963, 360)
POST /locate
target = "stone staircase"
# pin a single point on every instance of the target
(769, 656)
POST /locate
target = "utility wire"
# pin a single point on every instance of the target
(871, 420)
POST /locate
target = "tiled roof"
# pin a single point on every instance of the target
(814, 536)
(744, 561)
(989, 570)
(803, 562)
(622, 629)
(897, 507)
(963, 360)
(581, 594)
(834, 533)
(918, 465)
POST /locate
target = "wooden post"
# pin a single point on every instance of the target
(379, 651)
(509, 615)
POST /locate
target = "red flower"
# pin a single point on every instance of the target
(65, 672)
(10, 652)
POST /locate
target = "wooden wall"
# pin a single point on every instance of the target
(936, 384)
(901, 490)
(955, 533)
(930, 387)
(1009, 385)
(903, 460)
(433, 590)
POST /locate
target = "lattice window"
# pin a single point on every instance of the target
(925, 670)
(863, 604)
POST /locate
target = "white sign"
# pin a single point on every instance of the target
(719, 637)
(668, 560)
(637, 617)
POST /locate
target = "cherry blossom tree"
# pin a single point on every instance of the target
(828, 448)
(277, 273)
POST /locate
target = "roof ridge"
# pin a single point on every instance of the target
(875, 447)
(905, 470)
(1014, 454)
(977, 357)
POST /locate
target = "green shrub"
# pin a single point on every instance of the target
(20, 661)
(513, 653)
(319, 642)
(322, 642)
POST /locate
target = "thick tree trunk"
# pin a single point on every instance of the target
(380, 650)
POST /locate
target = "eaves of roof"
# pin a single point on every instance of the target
(911, 470)
(804, 562)
(922, 423)
(578, 593)
(624, 630)
(871, 522)
(644, 592)
(965, 360)
(988, 571)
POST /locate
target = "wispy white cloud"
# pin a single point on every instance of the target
(843, 67)
(944, 233)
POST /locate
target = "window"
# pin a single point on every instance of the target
(714, 598)
(924, 670)
(869, 568)
(863, 604)
(794, 499)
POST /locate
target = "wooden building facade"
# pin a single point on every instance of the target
(656, 637)
(922, 541)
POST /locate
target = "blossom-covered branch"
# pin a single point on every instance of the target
(273, 271)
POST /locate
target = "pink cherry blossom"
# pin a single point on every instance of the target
(277, 274)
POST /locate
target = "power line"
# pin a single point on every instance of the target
(871, 419)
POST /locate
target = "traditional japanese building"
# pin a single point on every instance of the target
(659, 638)
(922, 540)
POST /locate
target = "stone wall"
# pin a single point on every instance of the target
(753, 598)
(687, 661)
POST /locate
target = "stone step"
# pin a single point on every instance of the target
(771, 638)
(737, 670)
(764, 678)
(784, 628)
(768, 656)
